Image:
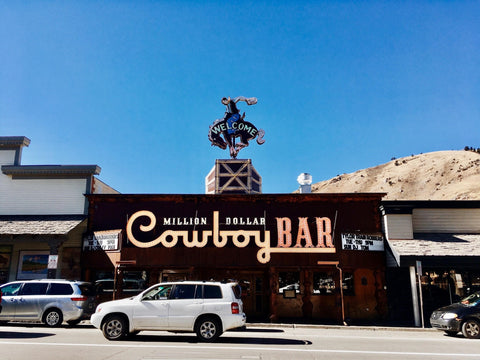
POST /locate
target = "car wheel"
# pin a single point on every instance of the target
(208, 329)
(451, 333)
(471, 329)
(115, 328)
(53, 318)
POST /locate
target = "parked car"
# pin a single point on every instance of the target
(50, 301)
(295, 287)
(463, 316)
(132, 286)
(206, 308)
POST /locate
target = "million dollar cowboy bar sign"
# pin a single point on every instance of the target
(248, 229)
(220, 233)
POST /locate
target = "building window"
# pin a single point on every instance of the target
(347, 284)
(323, 283)
(288, 281)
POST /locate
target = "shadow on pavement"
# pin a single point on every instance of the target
(23, 335)
(260, 330)
(82, 325)
(221, 340)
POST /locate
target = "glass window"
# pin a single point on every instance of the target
(237, 290)
(183, 291)
(288, 281)
(347, 284)
(199, 292)
(60, 289)
(160, 292)
(134, 281)
(212, 292)
(11, 290)
(34, 288)
(323, 283)
(87, 289)
(245, 286)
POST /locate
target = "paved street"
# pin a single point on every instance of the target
(84, 342)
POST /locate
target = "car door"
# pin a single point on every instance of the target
(9, 300)
(150, 312)
(30, 301)
(186, 303)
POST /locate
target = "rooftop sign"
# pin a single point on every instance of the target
(224, 132)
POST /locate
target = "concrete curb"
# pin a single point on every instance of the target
(337, 327)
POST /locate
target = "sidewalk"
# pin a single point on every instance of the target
(333, 326)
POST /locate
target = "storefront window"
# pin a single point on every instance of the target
(451, 285)
(288, 281)
(323, 283)
(347, 284)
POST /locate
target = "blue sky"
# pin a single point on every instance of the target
(133, 86)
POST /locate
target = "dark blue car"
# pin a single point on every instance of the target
(463, 316)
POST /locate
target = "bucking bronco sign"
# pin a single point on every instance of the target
(232, 126)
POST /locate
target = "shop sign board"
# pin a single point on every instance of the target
(362, 242)
(259, 228)
(103, 240)
(219, 230)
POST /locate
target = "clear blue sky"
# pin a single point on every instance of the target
(133, 86)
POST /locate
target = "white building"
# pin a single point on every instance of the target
(435, 244)
(43, 214)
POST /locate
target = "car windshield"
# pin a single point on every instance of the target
(472, 300)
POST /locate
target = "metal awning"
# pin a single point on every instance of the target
(436, 249)
(39, 225)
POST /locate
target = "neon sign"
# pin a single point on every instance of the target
(321, 242)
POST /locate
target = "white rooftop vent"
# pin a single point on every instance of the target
(305, 181)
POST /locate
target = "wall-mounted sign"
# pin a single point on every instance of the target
(52, 261)
(303, 240)
(234, 230)
(108, 240)
(224, 132)
(362, 242)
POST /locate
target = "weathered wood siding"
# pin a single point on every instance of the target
(42, 196)
(466, 221)
(7, 157)
(398, 226)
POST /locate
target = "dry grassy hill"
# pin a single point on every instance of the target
(441, 175)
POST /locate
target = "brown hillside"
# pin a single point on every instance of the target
(441, 175)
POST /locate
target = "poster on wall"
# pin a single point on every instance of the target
(33, 265)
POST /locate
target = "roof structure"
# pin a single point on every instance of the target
(51, 170)
(435, 247)
(39, 225)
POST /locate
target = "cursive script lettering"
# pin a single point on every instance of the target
(240, 238)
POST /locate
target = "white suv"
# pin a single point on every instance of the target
(206, 308)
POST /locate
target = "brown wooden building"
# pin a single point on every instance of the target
(309, 257)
